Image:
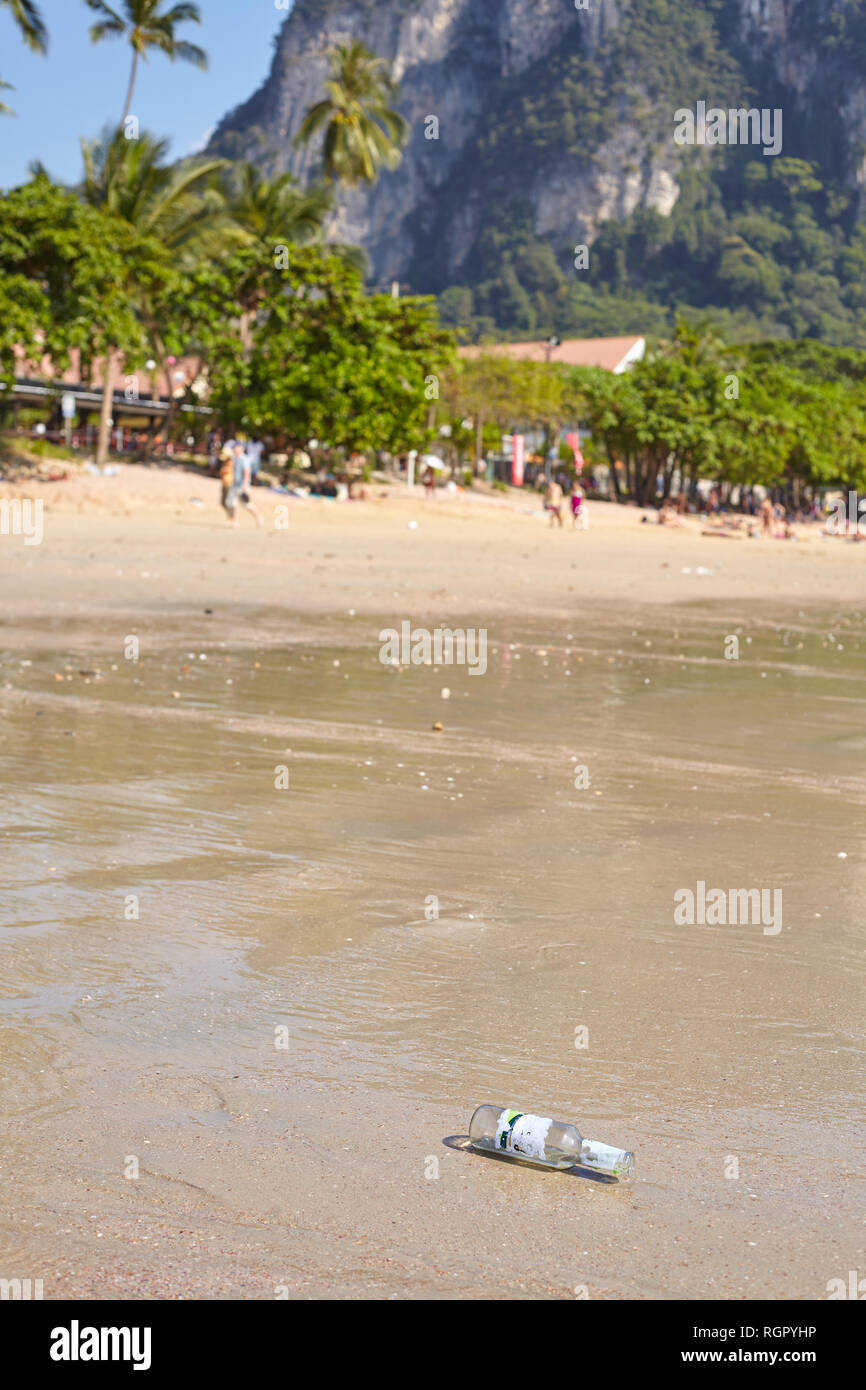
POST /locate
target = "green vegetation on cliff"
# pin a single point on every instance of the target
(767, 247)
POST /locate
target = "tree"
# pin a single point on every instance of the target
(663, 416)
(64, 270)
(132, 179)
(803, 414)
(613, 411)
(270, 215)
(785, 416)
(542, 402)
(145, 27)
(274, 211)
(362, 132)
(328, 361)
(486, 388)
(128, 179)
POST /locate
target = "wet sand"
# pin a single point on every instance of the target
(328, 1159)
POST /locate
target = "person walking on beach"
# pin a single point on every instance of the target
(228, 499)
(239, 491)
(255, 449)
(766, 517)
(579, 517)
(553, 501)
(213, 451)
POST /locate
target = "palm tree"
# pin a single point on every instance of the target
(362, 132)
(279, 212)
(275, 210)
(269, 213)
(145, 27)
(131, 179)
(33, 32)
(29, 20)
(179, 205)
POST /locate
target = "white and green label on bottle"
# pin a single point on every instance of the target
(521, 1134)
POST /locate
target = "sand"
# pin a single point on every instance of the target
(169, 1141)
(152, 540)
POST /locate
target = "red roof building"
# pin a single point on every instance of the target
(613, 354)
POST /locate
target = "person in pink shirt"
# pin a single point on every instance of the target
(578, 508)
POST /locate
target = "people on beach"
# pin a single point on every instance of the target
(227, 479)
(766, 514)
(579, 516)
(213, 451)
(429, 481)
(553, 501)
(255, 449)
(237, 484)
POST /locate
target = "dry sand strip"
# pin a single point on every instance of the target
(153, 543)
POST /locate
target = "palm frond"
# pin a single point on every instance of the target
(313, 121)
(109, 29)
(29, 20)
(181, 13)
(190, 53)
(101, 8)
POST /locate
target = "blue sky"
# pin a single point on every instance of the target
(80, 86)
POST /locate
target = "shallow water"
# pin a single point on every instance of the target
(310, 909)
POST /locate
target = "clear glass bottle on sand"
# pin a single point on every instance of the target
(550, 1143)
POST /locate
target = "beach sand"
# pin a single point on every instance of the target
(244, 1025)
(154, 540)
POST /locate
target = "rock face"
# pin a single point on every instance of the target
(473, 65)
(447, 55)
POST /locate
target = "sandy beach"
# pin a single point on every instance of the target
(241, 1048)
(154, 540)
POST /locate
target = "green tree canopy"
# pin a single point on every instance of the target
(64, 275)
(328, 361)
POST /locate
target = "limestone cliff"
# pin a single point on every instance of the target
(455, 60)
(562, 110)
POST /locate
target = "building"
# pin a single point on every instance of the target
(613, 354)
(140, 401)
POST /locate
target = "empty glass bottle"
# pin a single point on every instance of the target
(551, 1143)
